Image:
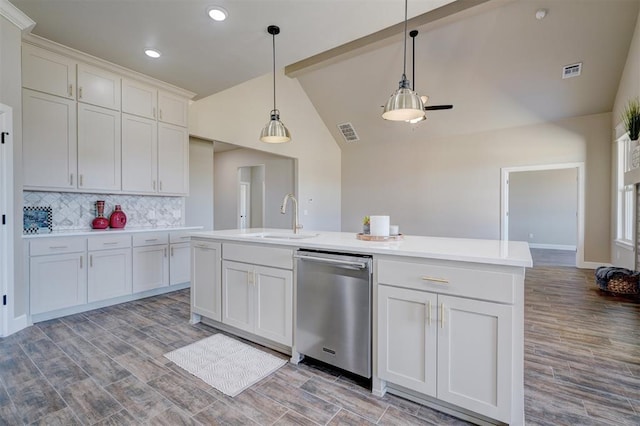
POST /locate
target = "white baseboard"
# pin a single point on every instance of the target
(552, 246)
(591, 265)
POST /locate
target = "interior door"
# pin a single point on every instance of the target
(244, 205)
(6, 191)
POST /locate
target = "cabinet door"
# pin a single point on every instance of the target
(206, 290)
(57, 282)
(49, 151)
(109, 274)
(139, 99)
(407, 328)
(179, 263)
(173, 159)
(48, 72)
(172, 109)
(474, 356)
(98, 87)
(237, 292)
(99, 148)
(274, 304)
(150, 267)
(139, 154)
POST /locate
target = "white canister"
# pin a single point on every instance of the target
(379, 226)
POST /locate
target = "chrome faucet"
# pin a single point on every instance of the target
(296, 221)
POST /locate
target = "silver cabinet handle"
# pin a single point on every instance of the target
(71, 179)
(70, 90)
(110, 243)
(80, 262)
(165, 252)
(154, 112)
(171, 251)
(154, 185)
(80, 92)
(58, 247)
(150, 240)
(435, 280)
(80, 180)
(160, 113)
(160, 185)
(90, 261)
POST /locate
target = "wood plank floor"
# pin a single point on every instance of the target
(105, 367)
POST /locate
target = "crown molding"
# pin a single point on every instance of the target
(16, 16)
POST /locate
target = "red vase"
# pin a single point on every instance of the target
(100, 222)
(117, 219)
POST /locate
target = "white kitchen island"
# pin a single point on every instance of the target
(448, 313)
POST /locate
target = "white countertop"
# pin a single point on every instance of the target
(93, 232)
(496, 252)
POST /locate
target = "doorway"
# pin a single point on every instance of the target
(548, 208)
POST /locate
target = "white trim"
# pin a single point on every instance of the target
(591, 265)
(504, 200)
(16, 16)
(624, 245)
(6, 231)
(553, 246)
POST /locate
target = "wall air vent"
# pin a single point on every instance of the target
(348, 132)
(572, 70)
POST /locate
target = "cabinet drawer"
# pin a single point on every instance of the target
(179, 237)
(106, 242)
(57, 246)
(258, 255)
(448, 279)
(150, 239)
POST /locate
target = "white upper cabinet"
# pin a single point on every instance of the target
(139, 154)
(172, 109)
(173, 159)
(48, 72)
(49, 151)
(139, 99)
(99, 148)
(98, 87)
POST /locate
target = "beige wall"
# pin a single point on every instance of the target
(10, 94)
(543, 206)
(451, 186)
(629, 88)
(237, 116)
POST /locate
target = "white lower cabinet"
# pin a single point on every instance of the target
(57, 274)
(206, 290)
(455, 349)
(151, 267)
(179, 263)
(259, 300)
(109, 271)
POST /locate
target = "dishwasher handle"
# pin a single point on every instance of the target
(335, 262)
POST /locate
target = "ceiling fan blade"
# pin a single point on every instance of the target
(437, 107)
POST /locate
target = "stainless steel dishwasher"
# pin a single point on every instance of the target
(333, 319)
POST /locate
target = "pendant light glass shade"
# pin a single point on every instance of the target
(404, 104)
(274, 131)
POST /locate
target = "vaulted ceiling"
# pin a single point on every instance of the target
(497, 63)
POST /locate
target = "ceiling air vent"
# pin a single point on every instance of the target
(348, 132)
(572, 70)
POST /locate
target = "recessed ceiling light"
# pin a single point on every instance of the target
(152, 53)
(217, 13)
(540, 14)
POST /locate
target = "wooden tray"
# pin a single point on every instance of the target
(367, 237)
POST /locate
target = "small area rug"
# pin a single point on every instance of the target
(225, 363)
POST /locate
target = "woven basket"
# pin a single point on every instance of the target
(622, 284)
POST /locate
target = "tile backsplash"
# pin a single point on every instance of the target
(72, 211)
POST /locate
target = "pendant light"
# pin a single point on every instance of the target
(275, 131)
(424, 99)
(404, 104)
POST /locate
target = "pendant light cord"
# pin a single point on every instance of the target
(404, 70)
(274, 72)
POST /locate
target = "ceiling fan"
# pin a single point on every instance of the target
(413, 35)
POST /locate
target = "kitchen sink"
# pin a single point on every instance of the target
(280, 235)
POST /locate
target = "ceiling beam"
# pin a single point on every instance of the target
(445, 14)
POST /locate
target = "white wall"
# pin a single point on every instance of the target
(543, 206)
(279, 181)
(10, 94)
(628, 88)
(237, 116)
(451, 186)
(199, 203)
